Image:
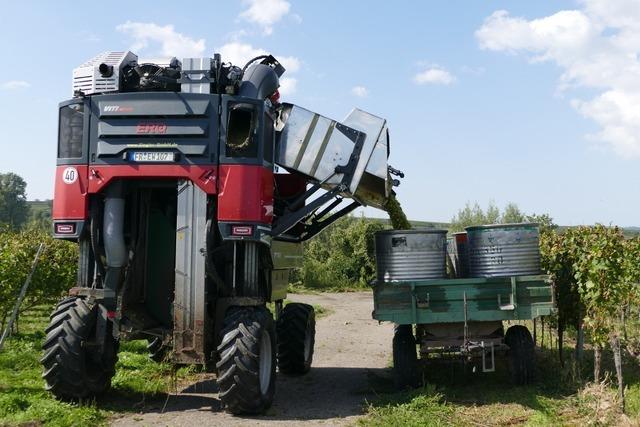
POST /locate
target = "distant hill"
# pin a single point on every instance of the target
(40, 212)
(37, 206)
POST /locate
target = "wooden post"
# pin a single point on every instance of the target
(617, 359)
(597, 357)
(23, 292)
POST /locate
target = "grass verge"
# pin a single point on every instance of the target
(452, 397)
(23, 399)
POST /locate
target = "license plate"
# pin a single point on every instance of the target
(152, 156)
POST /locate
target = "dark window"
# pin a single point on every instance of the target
(268, 138)
(241, 137)
(71, 131)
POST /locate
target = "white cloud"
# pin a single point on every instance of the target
(265, 13)
(239, 53)
(597, 48)
(360, 91)
(171, 43)
(288, 85)
(14, 85)
(434, 75)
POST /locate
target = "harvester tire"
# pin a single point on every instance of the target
(247, 360)
(521, 354)
(405, 361)
(72, 369)
(296, 337)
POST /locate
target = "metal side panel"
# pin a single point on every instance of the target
(374, 151)
(189, 305)
(316, 145)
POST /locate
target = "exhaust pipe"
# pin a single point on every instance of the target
(114, 245)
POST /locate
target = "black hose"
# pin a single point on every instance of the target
(94, 236)
(251, 61)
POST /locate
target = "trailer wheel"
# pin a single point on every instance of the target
(405, 362)
(247, 360)
(521, 354)
(296, 337)
(72, 368)
(157, 349)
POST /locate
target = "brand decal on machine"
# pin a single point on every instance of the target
(116, 109)
(151, 128)
(69, 175)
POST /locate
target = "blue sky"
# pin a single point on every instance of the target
(526, 102)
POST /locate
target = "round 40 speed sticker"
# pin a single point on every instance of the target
(69, 175)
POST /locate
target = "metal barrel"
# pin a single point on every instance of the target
(458, 253)
(411, 255)
(504, 250)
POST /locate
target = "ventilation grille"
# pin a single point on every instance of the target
(87, 77)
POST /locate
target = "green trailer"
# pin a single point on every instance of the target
(463, 318)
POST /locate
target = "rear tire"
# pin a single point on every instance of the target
(296, 338)
(405, 360)
(72, 368)
(521, 354)
(247, 360)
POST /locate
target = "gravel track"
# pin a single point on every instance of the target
(352, 351)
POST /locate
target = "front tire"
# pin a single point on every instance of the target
(296, 338)
(405, 360)
(73, 369)
(521, 354)
(247, 360)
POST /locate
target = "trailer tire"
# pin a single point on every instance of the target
(296, 329)
(405, 361)
(521, 354)
(247, 360)
(71, 369)
(157, 349)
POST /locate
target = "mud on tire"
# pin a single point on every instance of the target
(521, 354)
(296, 337)
(247, 360)
(71, 369)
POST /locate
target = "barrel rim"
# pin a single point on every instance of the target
(495, 226)
(425, 231)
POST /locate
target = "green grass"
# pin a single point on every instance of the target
(24, 400)
(452, 397)
(299, 288)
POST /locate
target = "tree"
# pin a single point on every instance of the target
(14, 210)
(342, 256)
(512, 214)
(544, 221)
(474, 215)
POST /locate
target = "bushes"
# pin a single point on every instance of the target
(55, 274)
(342, 256)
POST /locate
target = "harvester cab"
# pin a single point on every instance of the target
(189, 188)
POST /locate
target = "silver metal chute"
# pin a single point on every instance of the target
(352, 153)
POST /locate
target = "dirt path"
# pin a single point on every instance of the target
(351, 350)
